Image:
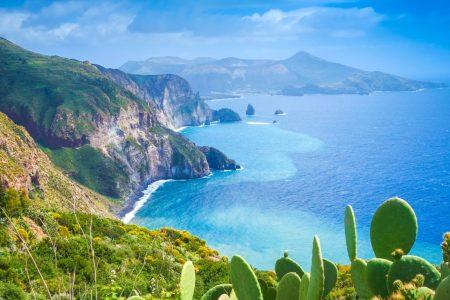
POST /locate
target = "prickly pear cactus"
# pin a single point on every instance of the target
(406, 269)
(215, 292)
(359, 279)
(244, 281)
(317, 279)
(351, 236)
(304, 284)
(443, 290)
(376, 273)
(187, 282)
(285, 265)
(394, 226)
(271, 293)
(331, 275)
(289, 287)
(224, 297)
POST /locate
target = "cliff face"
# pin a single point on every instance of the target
(66, 103)
(175, 103)
(23, 166)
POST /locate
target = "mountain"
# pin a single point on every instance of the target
(25, 167)
(300, 74)
(108, 130)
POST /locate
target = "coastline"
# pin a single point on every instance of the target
(146, 194)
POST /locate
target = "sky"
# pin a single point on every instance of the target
(404, 37)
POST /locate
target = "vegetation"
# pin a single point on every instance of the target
(91, 168)
(84, 255)
(57, 99)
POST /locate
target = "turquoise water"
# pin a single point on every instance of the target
(298, 175)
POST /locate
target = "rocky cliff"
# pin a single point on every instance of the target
(120, 120)
(23, 166)
(176, 104)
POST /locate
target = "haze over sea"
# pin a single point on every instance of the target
(298, 175)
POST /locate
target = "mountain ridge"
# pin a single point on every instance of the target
(302, 73)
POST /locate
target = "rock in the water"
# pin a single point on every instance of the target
(224, 115)
(250, 110)
(207, 122)
(279, 112)
(217, 160)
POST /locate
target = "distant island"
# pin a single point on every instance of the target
(300, 74)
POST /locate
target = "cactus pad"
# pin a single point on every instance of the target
(376, 272)
(358, 273)
(351, 236)
(406, 269)
(285, 265)
(317, 279)
(289, 287)
(187, 282)
(331, 274)
(443, 290)
(215, 292)
(244, 281)
(271, 293)
(394, 226)
(304, 284)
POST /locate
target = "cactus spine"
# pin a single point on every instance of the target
(351, 236)
(244, 281)
(317, 279)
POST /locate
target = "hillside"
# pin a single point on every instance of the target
(24, 167)
(300, 74)
(104, 128)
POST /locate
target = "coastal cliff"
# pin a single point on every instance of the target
(108, 130)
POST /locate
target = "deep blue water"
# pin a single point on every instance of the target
(299, 174)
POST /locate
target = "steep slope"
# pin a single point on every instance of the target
(86, 120)
(23, 166)
(175, 102)
(301, 73)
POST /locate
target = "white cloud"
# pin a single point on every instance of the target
(334, 21)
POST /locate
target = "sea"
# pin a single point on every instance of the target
(299, 173)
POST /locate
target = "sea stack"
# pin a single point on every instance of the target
(250, 110)
(279, 112)
(226, 115)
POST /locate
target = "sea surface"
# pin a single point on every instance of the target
(298, 175)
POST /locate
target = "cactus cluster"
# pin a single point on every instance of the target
(394, 274)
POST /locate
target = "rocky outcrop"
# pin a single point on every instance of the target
(176, 104)
(217, 160)
(279, 112)
(23, 166)
(226, 115)
(250, 111)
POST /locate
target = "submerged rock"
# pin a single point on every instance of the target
(225, 115)
(279, 112)
(250, 110)
(217, 160)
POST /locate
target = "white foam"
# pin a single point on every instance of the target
(141, 201)
(180, 128)
(258, 123)
(283, 114)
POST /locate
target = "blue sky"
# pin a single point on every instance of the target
(409, 38)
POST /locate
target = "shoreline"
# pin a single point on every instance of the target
(139, 203)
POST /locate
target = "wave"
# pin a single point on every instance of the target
(145, 197)
(258, 123)
(180, 128)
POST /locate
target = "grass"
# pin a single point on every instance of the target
(50, 94)
(91, 168)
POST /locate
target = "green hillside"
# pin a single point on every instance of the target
(56, 99)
